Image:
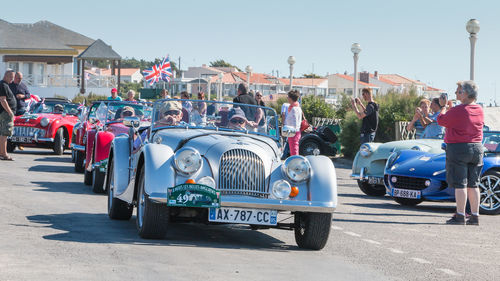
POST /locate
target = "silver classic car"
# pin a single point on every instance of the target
(221, 167)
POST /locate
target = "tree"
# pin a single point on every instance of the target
(311, 75)
(222, 63)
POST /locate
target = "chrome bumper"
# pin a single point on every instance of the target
(361, 175)
(260, 203)
(77, 147)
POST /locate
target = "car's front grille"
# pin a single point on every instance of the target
(241, 172)
(408, 182)
(28, 132)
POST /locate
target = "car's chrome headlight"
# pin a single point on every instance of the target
(44, 122)
(208, 181)
(297, 168)
(365, 150)
(281, 189)
(187, 161)
(392, 158)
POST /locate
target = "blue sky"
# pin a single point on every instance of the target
(424, 40)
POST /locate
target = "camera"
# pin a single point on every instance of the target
(444, 96)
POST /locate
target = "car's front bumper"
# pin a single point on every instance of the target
(264, 203)
(77, 147)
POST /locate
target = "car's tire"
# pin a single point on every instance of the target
(308, 147)
(79, 158)
(117, 209)
(59, 142)
(87, 177)
(312, 229)
(489, 204)
(11, 146)
(152, 218)
(73, 156)
(98, 180)
(371, 189)
(407, 202)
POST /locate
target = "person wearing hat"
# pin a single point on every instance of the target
(58, 108)
(171, 113)
(114, 95)
(237, 119)
(127, 111)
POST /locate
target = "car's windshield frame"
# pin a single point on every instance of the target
(133, 104)
(52, 104)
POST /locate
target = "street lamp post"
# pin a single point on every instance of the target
(249, 70)
(355, 49)
(291, 62)
(473, 28)
(219, 92)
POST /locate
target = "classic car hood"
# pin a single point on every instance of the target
(205, 140)
(385, 149)
(421, 166)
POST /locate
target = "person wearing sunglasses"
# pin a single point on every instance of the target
(237, 119)
(127, 111)
(171, 114)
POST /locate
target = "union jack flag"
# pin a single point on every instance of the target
(152, 75)
(166, 69)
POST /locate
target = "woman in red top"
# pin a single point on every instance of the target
(464, 150)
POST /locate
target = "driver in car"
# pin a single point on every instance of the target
(237, 119)
(58, 109)
(171, 113)
(127, 111)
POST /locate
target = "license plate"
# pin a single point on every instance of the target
(406, 193)
(247, 216)
(21, 139)
(375, 180)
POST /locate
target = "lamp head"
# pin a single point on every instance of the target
(291, 60)
(356, 48)
(248, 69)
(472, 26)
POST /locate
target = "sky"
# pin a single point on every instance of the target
(422, 40)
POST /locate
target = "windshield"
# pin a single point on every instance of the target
(226, 116)
(55, 107)
(116, 111)
(491, 141)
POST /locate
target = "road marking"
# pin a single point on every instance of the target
(419, 260)
(396, 251)
(448, 271)
(372, 241)
(336, 227)
(352, 234)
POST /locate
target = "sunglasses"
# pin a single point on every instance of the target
(127, 113)
(172, 112)
(259, 96)
(237, 121)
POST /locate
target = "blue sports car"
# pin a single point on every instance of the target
(413, 176)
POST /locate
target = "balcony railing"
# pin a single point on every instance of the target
(69, 81)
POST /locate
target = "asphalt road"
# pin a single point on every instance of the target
(54, 228)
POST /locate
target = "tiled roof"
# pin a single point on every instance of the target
(40, 35)
(241, 77)
(350, 78)
(99, 50)
(304, 81)
(398, 79)
(429, 88)
(382, 79)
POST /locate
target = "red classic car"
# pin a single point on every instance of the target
(48, 124)
(106, 125)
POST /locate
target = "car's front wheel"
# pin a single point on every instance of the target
(152, 218)
(490, 193)
(312, 229)
(371, 189)
(407, 202)
(79, 158)
(59, 142)
(117, 209)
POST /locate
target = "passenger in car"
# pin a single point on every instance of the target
(237, 119)
(171, 114)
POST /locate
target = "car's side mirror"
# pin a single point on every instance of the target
(288, 132)
(132, 121)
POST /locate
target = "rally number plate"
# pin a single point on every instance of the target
(246, 216)
(406, 193)
(21, 139)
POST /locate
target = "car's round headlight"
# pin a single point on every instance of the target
(365, 150)
(297, 168)
(44, 122)
(208, 181)
(281, 189)
(187, 160)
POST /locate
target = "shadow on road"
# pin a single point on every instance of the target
(52, 169)
(38, 151)
(54, 159)
(443, 209)
(98, 228)
(67, 187)
(386, 222)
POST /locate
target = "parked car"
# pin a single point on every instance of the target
(369, 163)
(321, 138)
(110, 116)
(87, 121)
(48, 124)
(415, 176)
(217, 169)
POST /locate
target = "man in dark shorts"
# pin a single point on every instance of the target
(368, 114)
(244, 97)
(8, 107)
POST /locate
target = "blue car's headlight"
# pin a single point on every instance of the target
(365, 150)
(392, 158)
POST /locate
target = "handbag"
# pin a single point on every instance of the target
(304, 124)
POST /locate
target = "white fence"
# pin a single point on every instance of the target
(69, 81)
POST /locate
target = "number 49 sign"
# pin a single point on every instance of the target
(193, 195)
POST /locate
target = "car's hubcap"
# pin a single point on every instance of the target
(490, 192)
(310, 147)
